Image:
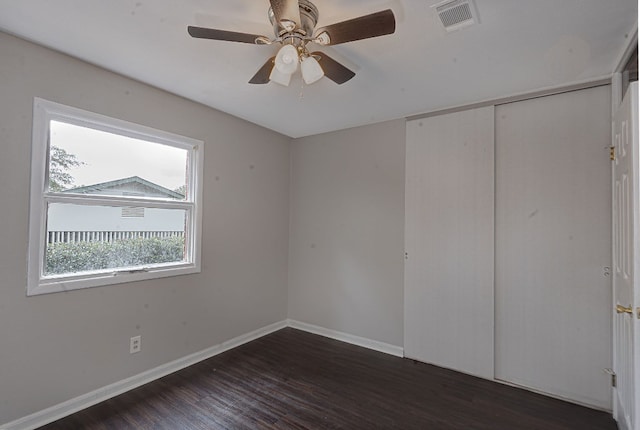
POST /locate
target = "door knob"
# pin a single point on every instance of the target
(624, 310)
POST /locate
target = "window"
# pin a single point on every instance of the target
(111, 201)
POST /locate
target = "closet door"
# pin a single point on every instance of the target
(449, 235)
(553, 229)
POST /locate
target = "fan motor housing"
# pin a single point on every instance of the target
(308, 19)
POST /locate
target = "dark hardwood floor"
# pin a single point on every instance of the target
(295, 380)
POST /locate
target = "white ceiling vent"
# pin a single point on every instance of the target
(456, 14)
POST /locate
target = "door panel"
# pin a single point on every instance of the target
(553, 245)
(449, 241)
(626, 325)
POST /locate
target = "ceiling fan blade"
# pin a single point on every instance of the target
(286, 11)
(231, 36)
(262, 77)
(332, 69)
(364, 27)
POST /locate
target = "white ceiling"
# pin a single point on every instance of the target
(519, 46)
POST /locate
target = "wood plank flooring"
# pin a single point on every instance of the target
(295, 380)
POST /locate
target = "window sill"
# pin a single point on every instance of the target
(67, 283)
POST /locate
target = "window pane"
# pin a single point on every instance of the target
(89, 161)
(92, 238)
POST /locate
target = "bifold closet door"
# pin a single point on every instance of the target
(449, 236)
(553, 245)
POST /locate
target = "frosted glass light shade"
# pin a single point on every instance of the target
(287, 59)
(280, 78)
(311, 70)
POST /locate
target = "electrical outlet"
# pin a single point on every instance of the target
(135, 344)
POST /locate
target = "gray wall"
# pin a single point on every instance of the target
(346, 236)
(55, 347)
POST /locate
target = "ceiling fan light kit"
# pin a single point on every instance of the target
(311, 70)
(279, 78)
(287, 59)
(294, 23)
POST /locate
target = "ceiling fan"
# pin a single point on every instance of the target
(294, 24)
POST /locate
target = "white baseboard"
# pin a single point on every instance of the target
(84, 401)
(397, 351)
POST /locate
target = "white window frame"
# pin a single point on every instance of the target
(44, 112)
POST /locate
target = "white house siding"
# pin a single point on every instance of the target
(70, 222)
(67, 217)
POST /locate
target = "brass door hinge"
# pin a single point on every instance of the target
(612, 153)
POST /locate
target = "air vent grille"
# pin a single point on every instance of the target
(130, 212)
(455, 14)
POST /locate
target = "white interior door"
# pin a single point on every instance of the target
(553, 245)
(449, 241)
(626, 267)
